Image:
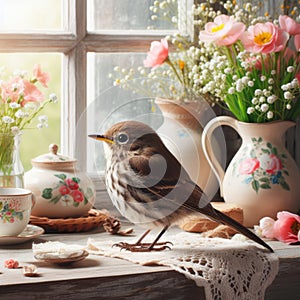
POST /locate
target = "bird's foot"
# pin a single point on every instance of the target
(143, 247)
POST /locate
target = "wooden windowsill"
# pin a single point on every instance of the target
(99, 277)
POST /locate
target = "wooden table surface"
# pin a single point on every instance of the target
(99, 277)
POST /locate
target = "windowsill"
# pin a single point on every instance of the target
(99, 277)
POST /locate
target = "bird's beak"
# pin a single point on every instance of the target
(103, 138)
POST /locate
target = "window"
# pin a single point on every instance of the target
(78, 42)
(81, 41)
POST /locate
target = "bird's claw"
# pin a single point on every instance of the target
(143, 247)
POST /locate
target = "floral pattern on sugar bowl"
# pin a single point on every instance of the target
(265, 166)
(10, 211)
(68, 192)
(60, 189)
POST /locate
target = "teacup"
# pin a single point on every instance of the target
(15, 209)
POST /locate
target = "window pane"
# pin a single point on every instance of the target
(129, 14)
(30, 15)
(36, 141)
(109, 104)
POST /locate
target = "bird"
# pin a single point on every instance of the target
(149, 186)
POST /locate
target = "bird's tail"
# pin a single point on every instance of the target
(218, 216)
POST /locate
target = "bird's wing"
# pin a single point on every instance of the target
(164, 178)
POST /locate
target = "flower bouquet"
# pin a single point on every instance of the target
(21, 101)
(258, 69)
(188, 66)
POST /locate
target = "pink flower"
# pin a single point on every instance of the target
(31, 93)
(158, 54)
(12, 90)
(286, 227)
(41, 76)
(264, 38)
(224, 31)
(298, 78)
(297, 41)
(11, 263)
(271, 163)
(289, 25)
(266, 226)
(73, 185)
(77, 196)
(64, 190)
(248, 166)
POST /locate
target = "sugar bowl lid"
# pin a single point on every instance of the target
(53, 159)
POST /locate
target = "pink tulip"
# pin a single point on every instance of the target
(158, 54)
(224, 31)
(286, 227)
(264, 38)
(297, 41)
(289, 25)
(41, 76)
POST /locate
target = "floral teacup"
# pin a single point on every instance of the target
(15, 209)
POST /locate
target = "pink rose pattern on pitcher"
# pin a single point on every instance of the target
(9, 211)
(68, 192)
(264, 168)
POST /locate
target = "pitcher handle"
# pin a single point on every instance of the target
(207, 147)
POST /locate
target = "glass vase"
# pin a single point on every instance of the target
(11, 168)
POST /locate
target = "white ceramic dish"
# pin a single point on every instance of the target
(29, 233)
(64, 260)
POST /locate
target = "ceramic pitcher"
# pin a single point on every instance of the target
(262, 177)
(181, 133)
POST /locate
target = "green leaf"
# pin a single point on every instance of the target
(284, 185)
(265, 151)
(286, 172)
(265, 186)
(47, 193)
(269, 145)
(75, 204)
(55, 199)
(76, 179)
(253, 139)
(89, 192)
(264, 179)
(274, 151)
(61, 176)
(259, 140)
(255, 185)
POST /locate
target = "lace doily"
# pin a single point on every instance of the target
(227, 269)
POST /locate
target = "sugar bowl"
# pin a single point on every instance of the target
(60, 190)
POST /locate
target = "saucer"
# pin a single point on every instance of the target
(64, 260)
(29, 233)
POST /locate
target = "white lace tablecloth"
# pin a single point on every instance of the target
(227, 269)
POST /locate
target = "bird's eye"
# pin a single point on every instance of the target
(122, 138)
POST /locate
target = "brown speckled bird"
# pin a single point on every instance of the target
(149, 186)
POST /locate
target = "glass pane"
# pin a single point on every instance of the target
(30, 15)
(34, 141)
(109, 104)
(129, 14)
